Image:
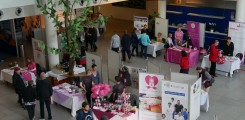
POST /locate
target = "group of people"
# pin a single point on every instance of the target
(91, 37)
(175, 111)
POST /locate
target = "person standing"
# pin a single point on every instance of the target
(87, 38)
(126, 42)
(19, 84)
(85, 113)
(115, 42)
(44, 93)
(31, 66)
(207, 79)
(159, 38)
(135, 42)
(101, 23)
(87, 83)
(95, 75)
(145, 41)
(178, 35)
(29, 96)
(229, 47)
(184, 63)
(214, 53)
(92, 32)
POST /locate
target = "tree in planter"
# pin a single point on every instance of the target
(72, 26)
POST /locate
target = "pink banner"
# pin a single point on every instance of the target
(193, 29)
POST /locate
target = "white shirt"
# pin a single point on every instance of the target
(170, 41)
(177, 117)
(115, 41)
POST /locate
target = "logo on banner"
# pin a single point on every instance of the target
(151, 82)
(193, 25)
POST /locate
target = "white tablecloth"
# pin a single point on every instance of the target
(6, 75)
(152, 48)
(228, 66)
(134, 116)
(59, 76)
(204, 101)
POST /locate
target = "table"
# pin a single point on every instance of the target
(62, 95)
(231, 64)
(174, 55)
(204, 101)
(111, 116)
(61, 76)
(153, 48)
(6, 75)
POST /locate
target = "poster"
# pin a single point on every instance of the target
(174, 100)
(195, 98)
(236, 32)
(139, 22)
(193, 29)
(150, 98)
(134, 73)
(38, 53)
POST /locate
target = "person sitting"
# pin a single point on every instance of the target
(184, 63)
(117, 89)
(31, 66)
(159, 38)
(85, 113)
(206, 78)
(229, 47)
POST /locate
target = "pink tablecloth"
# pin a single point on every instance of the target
(174, 55)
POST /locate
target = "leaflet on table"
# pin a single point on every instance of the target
(175, 100)
(139, 22)
(195, 98)
(150, 96)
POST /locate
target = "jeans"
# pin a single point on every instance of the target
(144, 51)
(135, 47)
(185, 71)
(47, 103)
(31, 111)
(115, 49)
(124, 51)
(212, 68)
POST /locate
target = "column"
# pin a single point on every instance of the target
(240, 11)
(162, 5)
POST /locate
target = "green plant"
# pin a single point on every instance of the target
(72, 26)
(154, 15)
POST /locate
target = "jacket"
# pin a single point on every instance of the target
(29, 94)
(184, 63)
(134, 39)
(44, 89)
(145, 40)
(81, 115)
(18, 83)
(115, 41)
(126, 42)
(205, 75)
(228, 50)
(214, 53)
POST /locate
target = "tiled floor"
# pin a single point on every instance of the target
(226, 96)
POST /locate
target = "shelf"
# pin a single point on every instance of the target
(174, 12)
(206, 16)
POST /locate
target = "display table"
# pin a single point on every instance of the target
(204, 101)
(153, 48)
(174, 55)
(231, 64)
(114, 116)
(61, 76)
(63, 95)
(6, 75)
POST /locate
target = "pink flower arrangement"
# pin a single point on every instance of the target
(100, 90)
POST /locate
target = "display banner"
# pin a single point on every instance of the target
(237, 34)
(38, 53)
(195, 98)
(193, 29)
(139, 22)
(150, 96)
(174, 100)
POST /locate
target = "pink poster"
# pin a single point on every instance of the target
(193, 29)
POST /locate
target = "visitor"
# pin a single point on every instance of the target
(29, 96)
(126, 78)
(87, 38)
(178, 107)
(178, 36)
(125, 43)
(184, 63)
(92, 32)
(117, 89)
(169, 42)
(179, 116)
(207, 79)
(85, 113)
(95, 75)
(115, 42)
(44, 93)
(19, 85)
(159, 38)
(145, 29)
(187, 43)
(229, 47)
(214, 53)
(102, 23)
(144, 41)
(31, 66)
(135, 42)
(185, 114)
(87, 83)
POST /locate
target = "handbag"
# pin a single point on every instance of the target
(221, 60)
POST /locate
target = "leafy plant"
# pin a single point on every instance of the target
(73, 24)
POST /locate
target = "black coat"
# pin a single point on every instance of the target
(126, 42)
(29, 94)
(44, 89)
(93, 34)
(18, 83)
(134, 39)
(228, 50)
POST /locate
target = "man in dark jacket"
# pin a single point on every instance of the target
(19, 84)
(229, 47)
(135, 42)
(44, 93)
(92, 32)
(85, 113)
(126, 42)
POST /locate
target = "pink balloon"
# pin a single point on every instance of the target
(103, 93)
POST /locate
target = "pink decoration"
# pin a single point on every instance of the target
(100, 90)
(151, 81)
(93, 95)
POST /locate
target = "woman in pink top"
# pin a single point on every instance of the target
(178, 36)
(31, 66)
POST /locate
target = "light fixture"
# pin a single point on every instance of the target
(18, 11)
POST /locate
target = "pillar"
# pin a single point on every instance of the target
(162, 5)
(240, 11)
